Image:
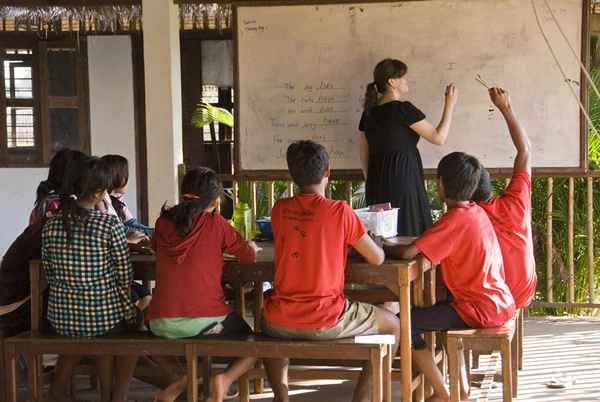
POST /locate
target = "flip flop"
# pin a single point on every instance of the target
(560, 382)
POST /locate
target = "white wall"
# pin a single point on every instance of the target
(111, 103)
(112, 131)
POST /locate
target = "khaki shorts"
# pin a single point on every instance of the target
(356, 319)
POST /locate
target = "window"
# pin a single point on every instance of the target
(42, 99)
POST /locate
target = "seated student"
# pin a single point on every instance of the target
(311, 236)
(113, 202)
(463, 240)
(47, 198)
(188, 299)
(510, 213)
(86, 258)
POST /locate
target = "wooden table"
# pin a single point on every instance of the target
(396, 277)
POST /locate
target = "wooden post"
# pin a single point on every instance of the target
(590, 235)
(549, 279)
(290, 188)
(234, 194)
(270, 195)
(349, 193)
(571, 259)
(253, 205)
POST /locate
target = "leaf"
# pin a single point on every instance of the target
(206, 113)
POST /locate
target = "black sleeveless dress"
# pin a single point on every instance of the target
(395, 168)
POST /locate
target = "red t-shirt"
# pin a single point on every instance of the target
(311, 235)
(510, 214)
(463, 240)
(189, 269)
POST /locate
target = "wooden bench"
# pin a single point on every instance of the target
(502, 339)
(34, 344)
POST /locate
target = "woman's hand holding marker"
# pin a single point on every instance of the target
(500, 98)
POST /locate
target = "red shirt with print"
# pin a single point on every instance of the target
(464, 242)
(311, 236)
(510, 214)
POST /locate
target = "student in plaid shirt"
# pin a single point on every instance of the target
(86, 258)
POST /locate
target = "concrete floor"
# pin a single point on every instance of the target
(555, 348)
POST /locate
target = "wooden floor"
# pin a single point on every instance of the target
(556, 348)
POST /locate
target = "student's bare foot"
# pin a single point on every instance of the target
(171, 393)
(218, 388)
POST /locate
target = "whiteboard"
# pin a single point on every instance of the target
(302, 72)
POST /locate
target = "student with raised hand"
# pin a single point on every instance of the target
(188, 299)
(311, 237)
(390, 131)
(86, 259)
(510, 212)
(464, 242)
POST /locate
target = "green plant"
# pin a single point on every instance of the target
(206, 113)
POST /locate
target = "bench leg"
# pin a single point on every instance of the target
(376, 366)
(192, 373)
(454, 369)
(506, 371)
(259, 382)
(475, 360)
(387, 374)
(520, 334)
(10, 359)
(514, 348)
(206, 374)
(244, 384)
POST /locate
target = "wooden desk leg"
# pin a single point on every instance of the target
(33, 377)
(405, 344)
(11, 373)
(192, 373)
(206, 374)
(240, 300)
(259, 382)
(418, 300)
(376, 365)
(430, 338)
(521, 333)
(387, 374)
(454, 369)
(507, 390)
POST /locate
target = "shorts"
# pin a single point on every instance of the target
(356, 319)
(232, 325)
(439, 317)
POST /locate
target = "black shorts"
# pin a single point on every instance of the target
(439, 317)
(232, 326)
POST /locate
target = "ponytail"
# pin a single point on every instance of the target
(199, 188)
(371, 96)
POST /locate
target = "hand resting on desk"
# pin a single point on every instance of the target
(400, 251)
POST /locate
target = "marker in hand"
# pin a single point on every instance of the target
(482, 81)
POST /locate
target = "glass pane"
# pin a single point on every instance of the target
(19, 127)
(64, 128)
(17, 79)
(61, 73)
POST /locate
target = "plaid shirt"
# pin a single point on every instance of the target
(90, 279)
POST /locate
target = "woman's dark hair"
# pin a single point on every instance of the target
(460, 174)
(119, 171)
(60, 164)
(307, 162)
(384, 70)
(200, 187)
(118, 168)
(88, 177)
(484, 189)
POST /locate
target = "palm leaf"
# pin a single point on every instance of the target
(206, 113)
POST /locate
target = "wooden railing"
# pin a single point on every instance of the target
(550, 260)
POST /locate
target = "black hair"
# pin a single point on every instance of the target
(118, 168)
(119, 171)
(307, 162)
(484, 189)
(199, 188)
(460, 174)
(59, 165)
(86, 178)
(384, 70)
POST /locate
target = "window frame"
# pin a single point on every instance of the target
(40, 154)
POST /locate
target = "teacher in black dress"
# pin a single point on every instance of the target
(391, 128)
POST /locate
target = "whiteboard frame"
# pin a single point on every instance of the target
(353, 174)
